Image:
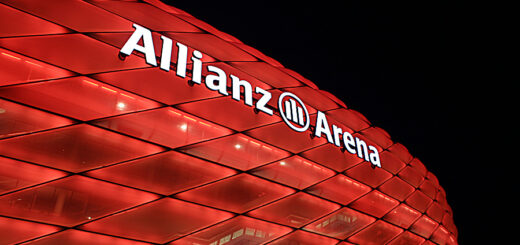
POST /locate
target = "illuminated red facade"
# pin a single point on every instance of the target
(99, 148)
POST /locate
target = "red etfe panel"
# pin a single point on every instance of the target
(237, 115)
(213, 46)
(17, 68)
(369, 142)
(102, 148)
(334, 189)
(366, 174)
(25, 24)
(147, 15)
(302, 237)
(375, 203)
(237, 151)
(71, 201)
(78, 237)
(138, 81)
(15, 175)
(392, 163)
(299, 77)
(378, 136)
(239, 230)
(424, 226)
(62, 148)
(418, 166)
(164, 173)
(313, 98)
(397, 188)
(267, 74)
(159, 221)
(402, 215)
(73, 14)
(379, 232)
(419, 201)
(341, 224)
(447, 221)
(14, 231)
(256, 53)
(278, 135)
(165, 126)
(441, 235)
(435, 182)
(350, 118)
(237, 194)
(295, 171)
(332, 157)
(407, 238)
(411, 176)
(428, 188)
(78, 97)
(326, 93)
(295, 210)
(16, 119)
(401, 152)
(78, 52)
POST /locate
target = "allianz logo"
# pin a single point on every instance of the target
(291, 108)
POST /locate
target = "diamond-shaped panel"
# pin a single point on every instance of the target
(334, 189)
(17, 68)
(237, 194)
(71, 201)
(80, 97)
(17, 119)
(165, 126)
(15, 175)
(295, 210)
(78, 237)
(64, 148)
(239, 230)
(238, 151)
(341, 224)
(302, 237)
(295, 171)
(77, 52)
(164, 173)
(14, 230)
(158, 222)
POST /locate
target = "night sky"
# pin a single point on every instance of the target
(427, 73)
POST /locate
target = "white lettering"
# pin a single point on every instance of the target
(348, 141)
(196, 76)
(322, 126)
(361, 145)
(147, 48)
(336, 131)
(248, 91)
(221, 79)
(374, 156)
(166, 55)
(182, 59)
(266, 97)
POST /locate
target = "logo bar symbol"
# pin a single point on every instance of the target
(294, 113)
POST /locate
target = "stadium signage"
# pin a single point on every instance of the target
(291, 108)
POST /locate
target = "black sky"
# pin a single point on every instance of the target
(426, 72)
